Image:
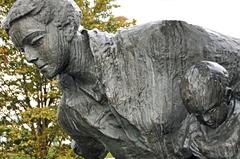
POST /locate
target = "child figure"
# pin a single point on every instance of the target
(212, 128)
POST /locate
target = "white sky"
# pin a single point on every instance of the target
(219, 15)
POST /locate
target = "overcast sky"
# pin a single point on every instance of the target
(219, 15)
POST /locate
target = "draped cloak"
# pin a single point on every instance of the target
(136, 76)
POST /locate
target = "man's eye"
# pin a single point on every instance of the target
(197, 115)
(37, 41)
(212, 110)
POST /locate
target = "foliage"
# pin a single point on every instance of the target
(28, 105)
(28, 102)
(99, 15)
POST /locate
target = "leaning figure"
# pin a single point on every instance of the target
(213, 124)
(120, 91)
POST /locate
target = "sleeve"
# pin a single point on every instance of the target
(183, 140)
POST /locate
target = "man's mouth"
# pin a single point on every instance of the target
(210, 123)
(41, 67)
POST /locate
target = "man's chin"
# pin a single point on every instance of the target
(49, 75)
(213, 126)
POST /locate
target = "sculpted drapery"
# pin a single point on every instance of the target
(120, 91)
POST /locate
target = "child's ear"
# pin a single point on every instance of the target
(69, 31)
(228, 94)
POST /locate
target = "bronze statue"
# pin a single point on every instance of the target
(213, 124)
(120, 91)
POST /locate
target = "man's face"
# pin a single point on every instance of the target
(44, 45)
(214, 116)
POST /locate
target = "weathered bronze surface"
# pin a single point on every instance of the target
(121, 92)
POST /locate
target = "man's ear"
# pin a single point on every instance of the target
(85, 35)
(228, 93)
(69, 31)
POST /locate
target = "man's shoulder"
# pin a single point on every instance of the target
(99, 41)
(99, 36)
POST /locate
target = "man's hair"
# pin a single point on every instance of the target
(203, 84)
(60, 12)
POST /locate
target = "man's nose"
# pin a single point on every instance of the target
(206, 117)
(31, 54)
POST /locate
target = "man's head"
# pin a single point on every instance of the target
(44, 30)
(205, 92)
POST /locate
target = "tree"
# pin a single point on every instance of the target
(99, 15)
(28, 101)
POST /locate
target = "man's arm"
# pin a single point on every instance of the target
(83, 143)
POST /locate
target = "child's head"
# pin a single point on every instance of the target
(205, 92)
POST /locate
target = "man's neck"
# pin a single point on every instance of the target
(81, 71)
(231, 105)
(81, 58)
